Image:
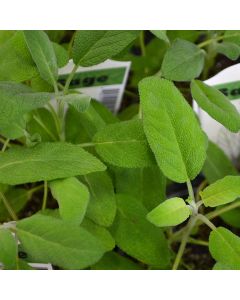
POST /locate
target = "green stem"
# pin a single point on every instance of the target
(197, 242)
(184, 241)
(142, 43)
(69, 79)
(35, 189)
(206, 221)
(55, 118)
(216, 39)
(45, 194)
(5, 145)
(222, 210)
(8, 207)
(191, 193)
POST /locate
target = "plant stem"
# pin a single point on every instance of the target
(8, 207)
(69, 79)
(191, 194)
(45, 194)
(184, 241)
(197, 242)
(142, 43)
(55, 118)
(5, 145)
(206, 221)
(203, 184)
(35, 189)
(216, 213)
(216, 39)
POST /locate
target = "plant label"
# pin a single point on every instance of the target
(104, 82)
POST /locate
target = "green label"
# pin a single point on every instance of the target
(230, 89)
(95, 78)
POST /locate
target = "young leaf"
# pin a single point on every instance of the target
(61, 55)
(8, 250)
(80, 102)
(51, 240)
(222, 191)
(172, 129)
(216, 104)
(232, 217)
(72, 197)
(15, 101)
(183, 61)
(46, 161)
(136, 236)
(232, 36)
(161, 34)
(43, 54)
(124, 145)
(171, 212)
(225, 247)
(230, 50)
(92, 47)
(102, 204)
(16, 63)
(217, 164)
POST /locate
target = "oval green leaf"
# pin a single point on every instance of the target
(171, 212)
(223, 191)
(172, 129)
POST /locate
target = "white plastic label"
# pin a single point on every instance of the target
(228, 82)
(104, 82)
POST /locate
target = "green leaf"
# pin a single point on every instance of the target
(16, 63)
(115, 261)
(220, 266)
(15, 101)
(61, 55)
(172, 129)
(43, 54)
(80, 102)
(99, 232)
(183, 61)
(171, 212)
(102, 204)
(124, 145)
(222, 191)
(72, 197)
(232, 36)
(136, 236)
(107, 116)
(217, 164)
(8, 250)
(51, 240)
(230, 50)
(146, 184)
(225, 247)
(216, 104)
(46, 161)
(17, 199)
(92, 47)
(161, 34)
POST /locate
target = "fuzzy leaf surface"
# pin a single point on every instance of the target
(92, 47)
(46, 161)
(172, 129)
(124, 145)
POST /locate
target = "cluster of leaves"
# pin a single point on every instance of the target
(106, 173)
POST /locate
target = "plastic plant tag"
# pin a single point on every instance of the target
(228, 82)
(104, 82)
